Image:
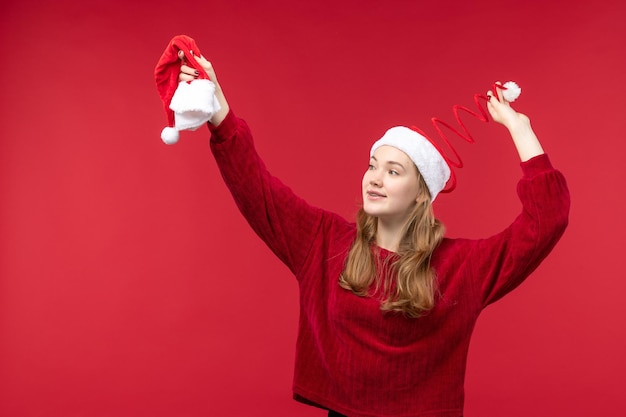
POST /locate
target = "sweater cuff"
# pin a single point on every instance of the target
(536, 165)
(225, 130)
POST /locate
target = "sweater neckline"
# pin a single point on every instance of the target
(382, 252)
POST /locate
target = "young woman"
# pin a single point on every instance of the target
(388, 305)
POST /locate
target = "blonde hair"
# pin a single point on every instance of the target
(407, 284)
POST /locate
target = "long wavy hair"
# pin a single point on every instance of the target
(407, 283)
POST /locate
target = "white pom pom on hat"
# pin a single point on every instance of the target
(428, 160)
(170, 135)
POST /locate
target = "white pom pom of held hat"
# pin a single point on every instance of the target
(188, 105)
(430, 163)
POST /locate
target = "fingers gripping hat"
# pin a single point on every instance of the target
(429, 161)
(188, 104)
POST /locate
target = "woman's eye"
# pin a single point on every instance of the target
(393, 172)
(370, 167)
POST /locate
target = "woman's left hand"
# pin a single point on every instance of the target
(526, 142)
(502, 112)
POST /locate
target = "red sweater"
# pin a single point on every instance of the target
(350, 356)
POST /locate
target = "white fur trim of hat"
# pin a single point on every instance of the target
(193, 104)
(429, 162)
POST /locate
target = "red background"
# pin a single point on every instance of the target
(131, 286)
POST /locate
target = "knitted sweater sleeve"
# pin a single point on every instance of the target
(284, 221)
(503, 261)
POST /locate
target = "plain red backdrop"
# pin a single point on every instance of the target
(131, 286)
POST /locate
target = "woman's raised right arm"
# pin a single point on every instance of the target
(284, 221)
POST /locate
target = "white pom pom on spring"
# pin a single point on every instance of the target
(511, 91)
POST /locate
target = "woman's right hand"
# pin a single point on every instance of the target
(188, 73)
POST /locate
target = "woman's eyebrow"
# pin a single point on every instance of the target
(388, 162)
(395, 163)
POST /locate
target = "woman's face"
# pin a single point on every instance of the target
(390, 185)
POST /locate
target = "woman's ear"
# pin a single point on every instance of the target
(423, 195)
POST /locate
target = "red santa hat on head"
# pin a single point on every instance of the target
(188, 104)
(430, 163)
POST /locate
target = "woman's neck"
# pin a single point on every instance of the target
(389, 235)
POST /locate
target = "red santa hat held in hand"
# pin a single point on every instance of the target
(188, 104)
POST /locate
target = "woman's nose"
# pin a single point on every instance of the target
(374, 180)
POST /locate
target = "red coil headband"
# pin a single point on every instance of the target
(465, 135)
